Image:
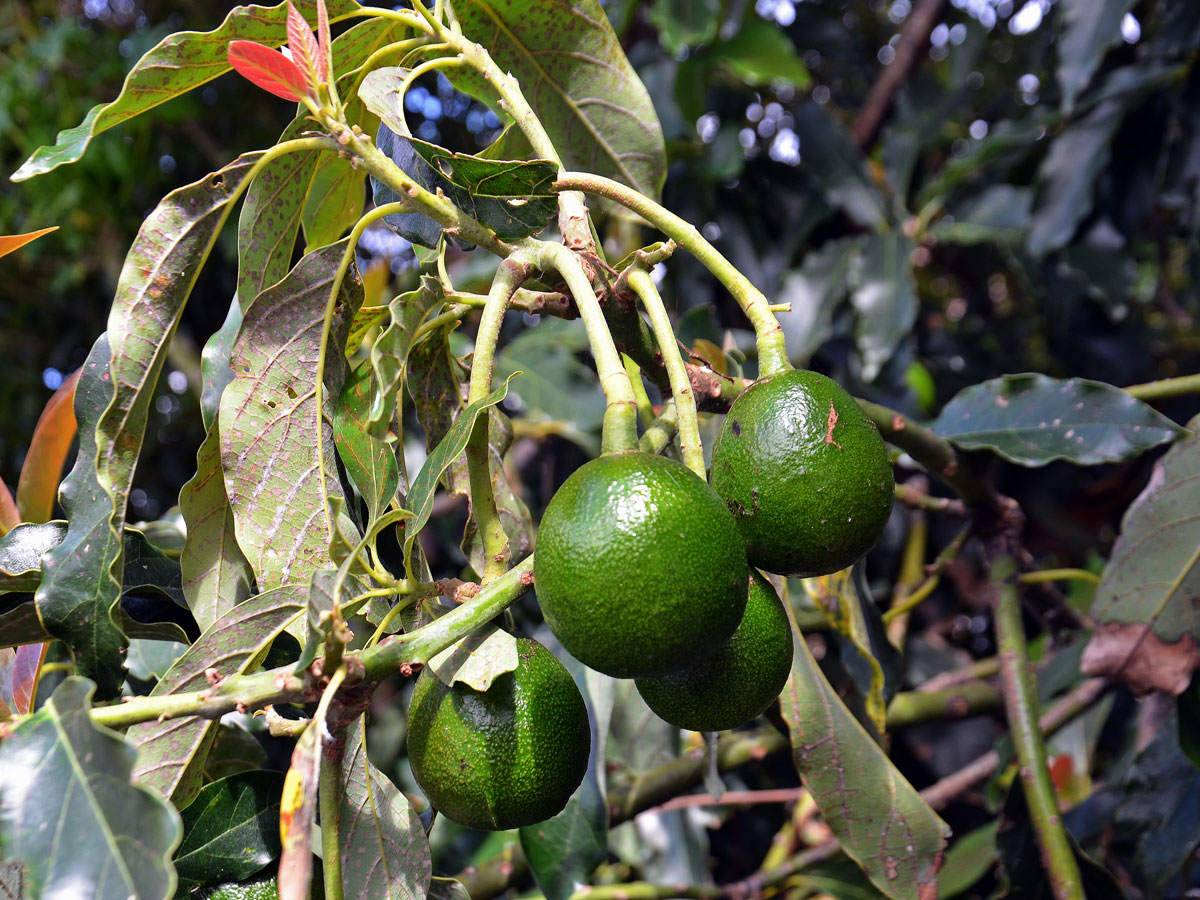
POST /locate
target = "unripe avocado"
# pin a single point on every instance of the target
(804, 472)
(505, 757)
(639, 568)
(737, 682)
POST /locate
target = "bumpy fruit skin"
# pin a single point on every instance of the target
(640, 568)
(737, 682)
(805, 473)
(503, 758)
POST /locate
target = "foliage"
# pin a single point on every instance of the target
(973, 215)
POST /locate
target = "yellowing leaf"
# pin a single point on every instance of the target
(11, 242)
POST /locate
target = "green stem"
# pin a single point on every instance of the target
(1166, 387)
(620, 416)
(681, 388)
(509, 275)
(903, 605)
(1020, 701)
(281, 685)
(772, 352)
(644, 407)
(914, 707)
(1045, 575)
(930, 449)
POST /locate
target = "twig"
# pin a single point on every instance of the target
(917, 499)
(1020, 702)
(1166, 387)
(914, 37)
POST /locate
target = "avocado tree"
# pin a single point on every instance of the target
(196, 705)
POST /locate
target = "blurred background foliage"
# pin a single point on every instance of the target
(1024, 199)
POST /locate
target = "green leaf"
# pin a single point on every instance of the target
(477, 660)
(112, 403)
(270, 218)
(760, 54)
(149, 660)
(1000, 214)
(231, 829)
(685, 23)
(815, 290)
(970, 858)
(1089, 28)
(1032, 419)
(420, 496)
(215, 371)
(216, 574)
(335, 201)
(574, 73)
(385, 855)
(884, 296)
(277, 445)
(380, 93)
(370, 461)
(878, 818)
(1145, 602)
(69, 812)
(19, 622)
(434, 385)
(179, 63)
(389, 353)
(171, 753)
(838, 167)
(415, 227)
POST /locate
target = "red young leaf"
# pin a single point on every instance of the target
(26, 668)
(10, 242)
(48, 449)
(9, 517)
(268, 69)
(325, 69)
(305, 52)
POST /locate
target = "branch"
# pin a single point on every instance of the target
(914, 37)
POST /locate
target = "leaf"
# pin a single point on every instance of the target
(879, 820)
(69, 812)
(19, 622)
(112, 401)
(434, 384)
(11, 242)
(385, 854)
(420, 496)
(9, 517)
(380, 93)
(685, 23)
(171, 753)
(216, 575)
(335, 200)
(884, 296)
(270, 218)
(514, 514)
(573, 71)
(149, 660)
(306, 52)
(215, 372)
(415, 227)
(447, 889)
(1032, 419)
(814, 291)
(832, 158)
(1148, 635)
(297, 812)
(268, 69)
(48, 449)
(276, 442)
(21, 553)
(1000, 213)
(760, 54)
(370, 462)
(477, 660)
(1089, 28)
(231, 829)
(179, 63)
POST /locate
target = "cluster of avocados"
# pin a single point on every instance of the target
(646, 571)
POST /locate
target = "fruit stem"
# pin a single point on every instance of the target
(620, 417)
(509, 275)
(681, 387)
(1020, 703)
(644, 407)
(772, 351)
(1166, 387)
(658, 435)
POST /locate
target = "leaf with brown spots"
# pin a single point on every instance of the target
(878, 818)
(385, 853)
(1148, 600)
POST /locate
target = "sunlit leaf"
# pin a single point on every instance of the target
(215, 371)
(231, 829)
(69, 812)
(578, 80)
(1032, 419)
(476, 660)
(180, 62)
(276, 442)
(306, 52)
(385, 854)
(268, 69)
(171, 753)
(11, 242)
